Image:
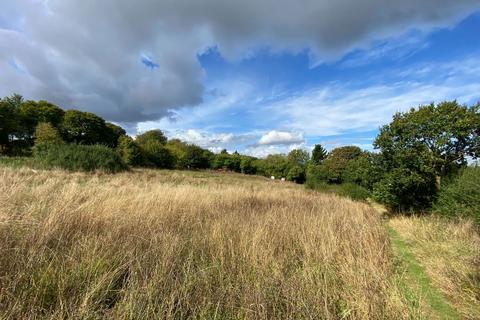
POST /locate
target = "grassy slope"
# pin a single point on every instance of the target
(170, 244)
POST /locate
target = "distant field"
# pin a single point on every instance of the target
(151, 244)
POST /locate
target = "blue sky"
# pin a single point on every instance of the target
(257, 77)
(335, 103)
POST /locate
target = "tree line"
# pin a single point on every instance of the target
(415, 154)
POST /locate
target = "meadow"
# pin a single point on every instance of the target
(169, 244)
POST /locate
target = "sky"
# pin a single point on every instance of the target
(256, 76)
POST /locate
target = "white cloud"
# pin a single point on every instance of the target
(281, 138)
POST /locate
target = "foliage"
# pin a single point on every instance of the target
(152, 135)
(363, 170)
(10, 124)
(461, 196)
(46, 134)
(157, 154)
(337, 161)
(316, 175)
(403, 189)
(129, 151)
(421, 146)
(80, 157)
(296, 174)
(113, 134)
(349, 190)
(247, 165)
(438, 137)
(84, 128)
(197, 158)
(298, 157)
(319, 154)
(276, 165)
(32, 113)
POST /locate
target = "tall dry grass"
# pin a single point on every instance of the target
(450, 253)
(154, 244)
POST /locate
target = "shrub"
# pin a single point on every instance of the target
(129, 151)
(296, 174)
(247, 165)
(157, 154)
(46, 134)
(461, 197)
(80, 157)
(402, 189)
(316, 175)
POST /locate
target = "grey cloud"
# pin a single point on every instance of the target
(86, 54)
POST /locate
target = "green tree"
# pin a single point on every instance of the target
(197, 158)
(296, 174)
(47, 134)
(436, 139)
(319, 154)
(113, 134)
(9, 122)
(298, 157)
(338, 160)
(84, 128)
(276, 165)
(129, 151)
(32, 113)
(152, 135)
(363, 170)
(247, 165)
(157, 154)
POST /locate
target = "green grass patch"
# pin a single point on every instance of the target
(418, 280)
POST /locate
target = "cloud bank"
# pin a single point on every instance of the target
(133, 61)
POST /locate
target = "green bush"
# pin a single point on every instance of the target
(405, 190)
(80, 158)
(296, 174)
(461, 197)
(157, 154)
(129, 151)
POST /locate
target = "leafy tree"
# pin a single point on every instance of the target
(113, 134)
(298, 157)
(32, 113)
(84, 128)
(157, 154)
(152, 135)
(296, 174)
(9, 122)
(404, 189)
(197, 158)
(276, 165)
(338, 160)
(460, 197)
(435, 139)
(129, 151)
(363, 170)
(318, 154)
(47, 134)
(247, 165)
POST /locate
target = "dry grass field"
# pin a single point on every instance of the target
(152, 244)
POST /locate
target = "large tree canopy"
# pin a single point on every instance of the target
(433, 138)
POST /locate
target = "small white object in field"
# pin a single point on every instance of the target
(283, 179)
(34, 171)
(272, 177)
